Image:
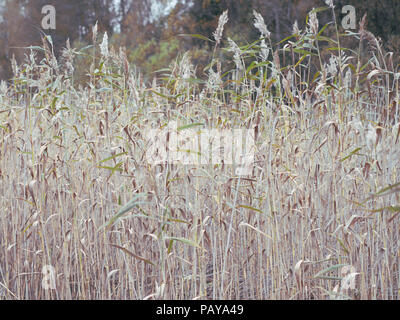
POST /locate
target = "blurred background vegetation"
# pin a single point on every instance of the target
(153, 31)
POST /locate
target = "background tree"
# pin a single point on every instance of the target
(149, 29)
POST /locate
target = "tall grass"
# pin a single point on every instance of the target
(76, 192)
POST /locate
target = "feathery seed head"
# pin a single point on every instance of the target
(94, 36)
(347, 79)
(295, 29)
(363, 23)
(14, 65)
(104, 46)
(332, 66)
(313, 22)
(277, 62)
(259, 23)
(3, 88)
(214, 80)
(185, 66)
(371, 136)
(223, 19)
(329, 3)
(233, 47)
(68, 55)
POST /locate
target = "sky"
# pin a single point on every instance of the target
(158, 8)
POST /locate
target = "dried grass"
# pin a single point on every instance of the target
(323, 193)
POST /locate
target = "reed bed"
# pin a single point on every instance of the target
(319, 209)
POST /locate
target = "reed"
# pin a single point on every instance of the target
(319, 209)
